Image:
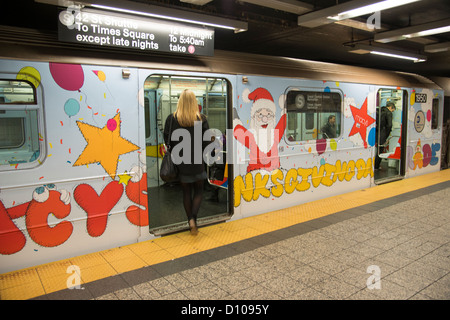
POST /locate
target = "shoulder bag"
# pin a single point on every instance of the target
(168, 171)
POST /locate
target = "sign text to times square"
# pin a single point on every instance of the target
(95, 28)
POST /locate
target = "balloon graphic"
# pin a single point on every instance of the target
(429, 115)
(29, 74)
(111, 124)
(321, 145)
(412, 99)
(100, 74)
(71, 107)
(68, 76)
(333, 144)
(372, 136)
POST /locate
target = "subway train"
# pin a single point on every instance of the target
(81, 141)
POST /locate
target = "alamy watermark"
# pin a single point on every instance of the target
(374, 280)
(255, 147)
(374, 21)
(74, 280)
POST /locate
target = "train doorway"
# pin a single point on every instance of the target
(161, 93)
(391, 117)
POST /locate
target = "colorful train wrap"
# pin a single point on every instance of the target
(81, 142)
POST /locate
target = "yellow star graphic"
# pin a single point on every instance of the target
(104, 145)
(124, 178)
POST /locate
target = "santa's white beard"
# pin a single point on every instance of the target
(265, 137)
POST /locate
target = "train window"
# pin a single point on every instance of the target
(147, 117)
(313, 115)
(17, 92)
(12, 133)
(434, 114)
(211, 96)
(19, 121)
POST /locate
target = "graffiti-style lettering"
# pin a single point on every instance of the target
(435, 147)
(276, 176)
(350, 172)
(340, 170)
(290, 183)
(317, 175)
(12, 239)
(243, 189)
(304, 184)
(260, 186)
(426, 155)
(97, 206)
(329, 170)
(36, 220)
(361, 166)
(299, 179)
(137, 192)
(423, 155)
(46, 202)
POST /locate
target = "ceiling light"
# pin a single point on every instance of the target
(147, 10)
(184, 16)
(347, 10)
(365, 49)
(399, 56)
(422, 30)
(430, 32)
(437, 47)
(371, 8)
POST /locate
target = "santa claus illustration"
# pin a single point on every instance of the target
(264, 135)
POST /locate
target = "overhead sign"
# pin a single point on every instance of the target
(146, 34)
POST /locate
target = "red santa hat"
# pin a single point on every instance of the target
(262, 99)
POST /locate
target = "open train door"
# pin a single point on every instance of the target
(390, 158)
(165, 200)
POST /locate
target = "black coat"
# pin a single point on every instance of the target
(329, 131)
(194, 164)
(385, 124)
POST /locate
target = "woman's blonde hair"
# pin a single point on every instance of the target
(187, 109)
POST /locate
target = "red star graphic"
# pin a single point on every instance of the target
(362, 121)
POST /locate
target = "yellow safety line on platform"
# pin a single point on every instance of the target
(43, 279)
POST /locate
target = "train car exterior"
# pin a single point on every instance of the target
(312, 165)
(80, 143)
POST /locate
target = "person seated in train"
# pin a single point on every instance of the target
(329, 129)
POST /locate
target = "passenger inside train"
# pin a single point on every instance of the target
(162, 93)
(329, 129)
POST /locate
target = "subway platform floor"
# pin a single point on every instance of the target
(389, 242)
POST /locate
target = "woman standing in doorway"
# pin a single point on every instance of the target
(191, 167)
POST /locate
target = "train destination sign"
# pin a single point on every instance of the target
(146, 34)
